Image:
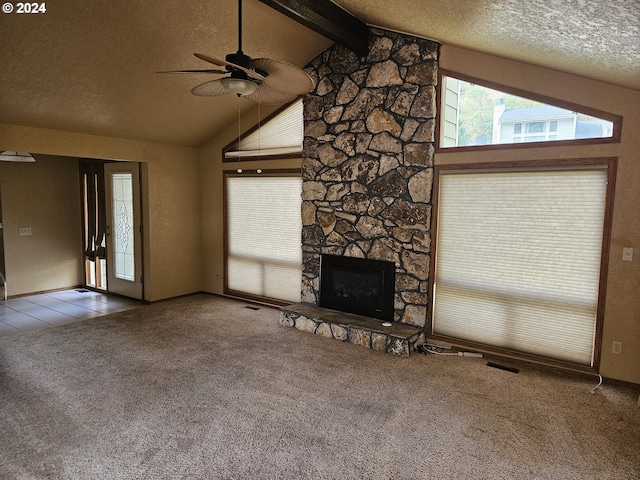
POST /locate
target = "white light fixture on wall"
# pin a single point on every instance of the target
(22, 157)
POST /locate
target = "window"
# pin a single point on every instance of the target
(535, 127)
(518, 258)
(281, 135)
(264, 228)
(473, 115)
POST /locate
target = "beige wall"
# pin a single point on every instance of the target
(622, 306)
(170, 197)
(44, 196)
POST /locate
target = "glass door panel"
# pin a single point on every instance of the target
(124, 265)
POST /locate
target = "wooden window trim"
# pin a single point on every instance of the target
(611, 164)
(253, 129)
(226, 290)
(613, 118)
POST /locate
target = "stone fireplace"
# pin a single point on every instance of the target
(368, 164)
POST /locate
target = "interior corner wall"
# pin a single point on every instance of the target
(622, 302)
(45, 197)
(170, 200)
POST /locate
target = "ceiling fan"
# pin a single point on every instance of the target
(262, 80)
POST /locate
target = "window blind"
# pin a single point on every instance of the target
(281, 135)
(518, 260)
(264, 225)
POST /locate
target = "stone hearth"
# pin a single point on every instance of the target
(397, 339)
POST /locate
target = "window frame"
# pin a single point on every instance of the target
(292, 172)
(255, 128)
(616, 120)
(540, 165)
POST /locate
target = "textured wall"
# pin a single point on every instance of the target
(46, 197)
(368, 163)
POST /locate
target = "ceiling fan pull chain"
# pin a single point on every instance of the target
(239, 170)
(239, 25)
(259, 134)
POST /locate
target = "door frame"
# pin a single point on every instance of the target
(129, 288)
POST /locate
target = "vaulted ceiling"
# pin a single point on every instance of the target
(91, 67)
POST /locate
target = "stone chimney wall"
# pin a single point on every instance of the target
(368, 163)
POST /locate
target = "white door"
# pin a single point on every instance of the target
(124, 259)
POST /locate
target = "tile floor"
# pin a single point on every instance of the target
(58, 308)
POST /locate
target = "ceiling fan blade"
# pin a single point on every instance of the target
(266, 95)
(283, 76)
(210, 89)
(217, 72)
(209, 59)
(223, 63)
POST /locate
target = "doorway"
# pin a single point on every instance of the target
(112, 227)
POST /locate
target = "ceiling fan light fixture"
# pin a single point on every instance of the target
(279, 82)
(239, 86)
(22, 157)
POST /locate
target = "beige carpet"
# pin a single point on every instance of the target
(203, 387)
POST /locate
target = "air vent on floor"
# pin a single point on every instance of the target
(503, 367)
(82, 290)
(252, 308)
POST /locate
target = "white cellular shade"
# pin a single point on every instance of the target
(280, 135)
(518, 260)
(264, 227)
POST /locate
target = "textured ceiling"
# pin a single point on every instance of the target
(90, 66)
(598, 39)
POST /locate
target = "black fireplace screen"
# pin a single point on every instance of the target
(357, 285)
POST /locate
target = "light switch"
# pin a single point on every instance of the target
(627, 254)
(24, 231)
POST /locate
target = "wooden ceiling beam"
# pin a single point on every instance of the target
(328, 19)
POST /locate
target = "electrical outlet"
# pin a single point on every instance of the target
(627, 254)
(24, 231)
(616, 348)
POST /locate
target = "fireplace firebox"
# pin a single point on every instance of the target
(357, 285)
